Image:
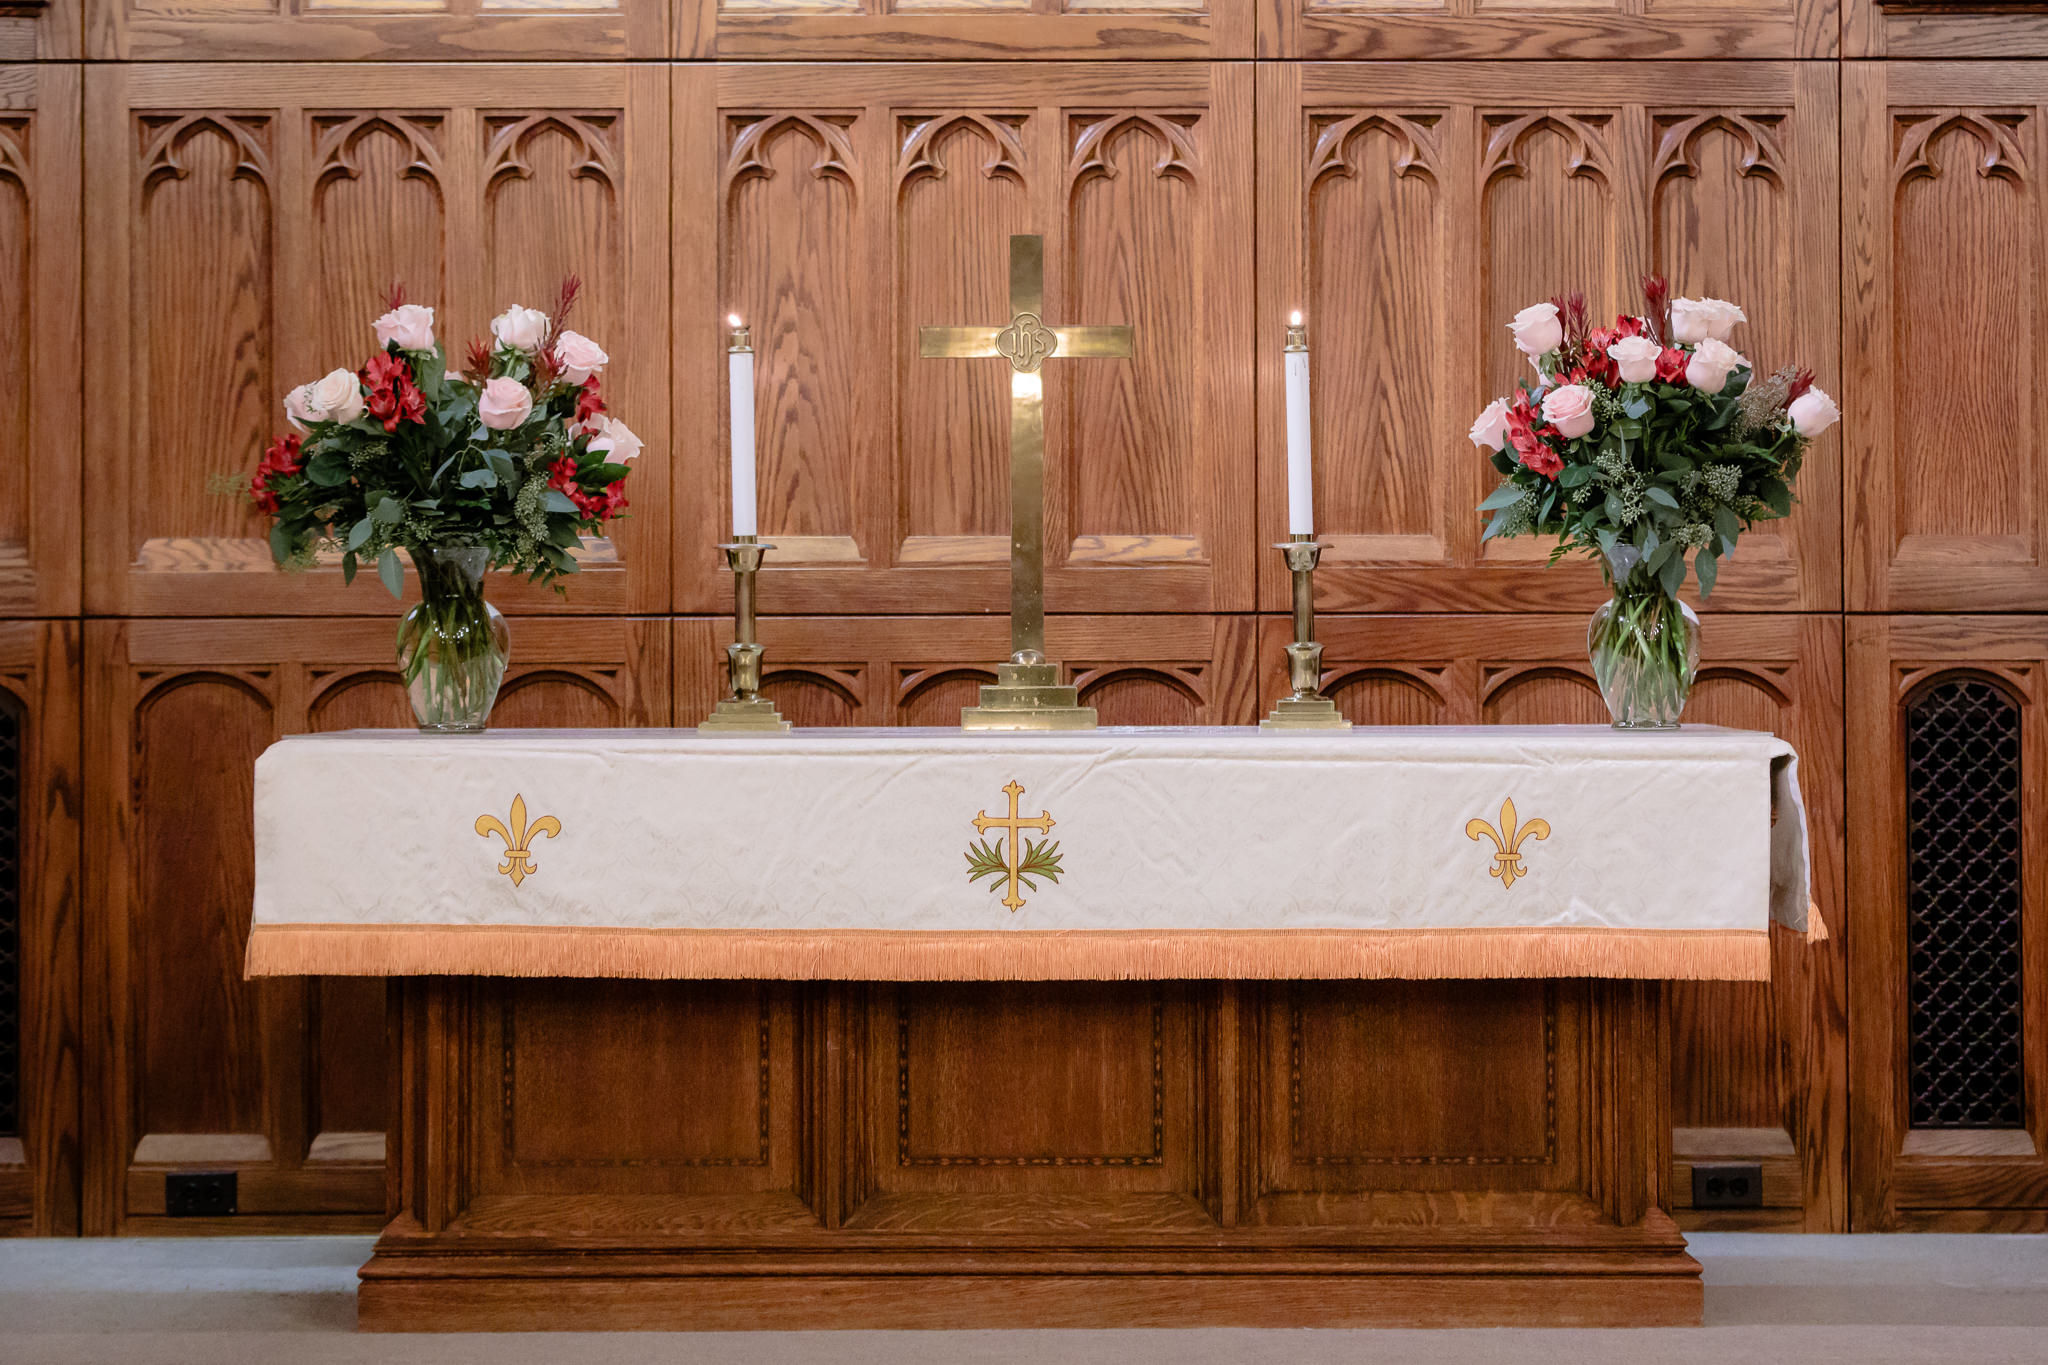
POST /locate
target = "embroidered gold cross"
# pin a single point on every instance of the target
(1011, 867)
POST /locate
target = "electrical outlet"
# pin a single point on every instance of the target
(1728, 1185)
(199, 1194)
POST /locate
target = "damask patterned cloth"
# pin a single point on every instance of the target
(1115, 853)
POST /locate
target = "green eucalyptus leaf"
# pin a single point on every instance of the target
(1708, 568)
(1507, 495)
(1661, 496)
(391, 572)
(389, 511)
(359, 533)
(558, 501)
(348, 568)
(1672, 575)
(479, 478)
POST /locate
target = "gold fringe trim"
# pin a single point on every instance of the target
(890, 955)
(1816, 927)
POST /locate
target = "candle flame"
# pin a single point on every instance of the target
(1295, 320)
(732, 319)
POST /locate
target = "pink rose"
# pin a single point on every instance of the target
(1490, 432)
(1570, 409)
(614, 440)
(505, 403)
(1697, 320)
(298, 408)
(1813, 412)
(410, 325)
(1537, 330)
(578, 357)
(1711, 363)
(1635, 358)
(521, 329)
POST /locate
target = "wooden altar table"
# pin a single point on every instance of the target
(1378, 1142)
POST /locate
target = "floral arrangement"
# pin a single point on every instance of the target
(506, 465)
(1651, 444)
(517, 457)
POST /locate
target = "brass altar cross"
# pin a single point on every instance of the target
(1028, 697)
(1042, 822)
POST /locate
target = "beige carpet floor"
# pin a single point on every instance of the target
(1770, 1300)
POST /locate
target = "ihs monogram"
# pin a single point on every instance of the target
(1026, 343)
(1005, 865)
(1507, 841)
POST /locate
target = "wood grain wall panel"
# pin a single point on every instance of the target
(374, 30)
(1759, 1071)
(1908, 1177)
(40, 1142)
(40, 30)
(282, 1081)
(964, 30)
(1988, 28)
(1944, 242)
(1438, 30)
(39, 330)
(838, 208)
(255, 218)
(1410, 209)
(1135, 670)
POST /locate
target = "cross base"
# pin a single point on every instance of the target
(1028, 697)
(752, 713)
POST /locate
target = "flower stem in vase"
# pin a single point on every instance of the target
(1645, 649)
(453, 646)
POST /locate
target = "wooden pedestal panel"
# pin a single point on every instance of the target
(720, 1155)
(282, 1081)
(39, 914)
(1759, 1072)
(1949, 1062)
(1987, 28)
(839, 207)
(249, 223)
(840, 670)
(965, 30)
(1410, 209)
(340, 30)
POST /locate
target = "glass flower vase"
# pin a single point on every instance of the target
(1645, 646)
(452, 645)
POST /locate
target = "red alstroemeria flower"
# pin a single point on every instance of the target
(281, 459)
(1671, 364)
(393, 397)
(589, 403)
(1626, 326)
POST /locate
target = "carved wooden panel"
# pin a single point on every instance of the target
(964, 30)
(39, 328)
(837, 208)
(1942, 1138)
(1134, 670)
(1758, 1071)
(282, 1080)
(1437, 30)
(1410, 209)
(39, 919)
(366, 30)
(1944, 248)
(1985, 28)
(253, 219)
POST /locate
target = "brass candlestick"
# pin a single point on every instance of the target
(746, 709)
(1307, 708)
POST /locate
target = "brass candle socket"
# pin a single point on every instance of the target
(746, 709)
(1306, 708)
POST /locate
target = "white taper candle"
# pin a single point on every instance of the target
(740, 372)
(1301, 517)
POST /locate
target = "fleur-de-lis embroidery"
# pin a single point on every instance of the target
(1026, 343)
(519, 863)
(1507, 841)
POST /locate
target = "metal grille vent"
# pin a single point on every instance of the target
(1963, 906)
(10, 916)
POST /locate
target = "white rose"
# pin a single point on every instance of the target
(1711, 364)
(522, 329)
(1813, 412)
(298, 408)
(1697, 320)
(504, 404)
(410, 325)
(1636, 358)
(1537, 329)
(1570, 410)
(1490, 432)
(578, 357)
(614, 440)
(337, 396)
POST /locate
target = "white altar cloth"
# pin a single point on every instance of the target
(1171, 853)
